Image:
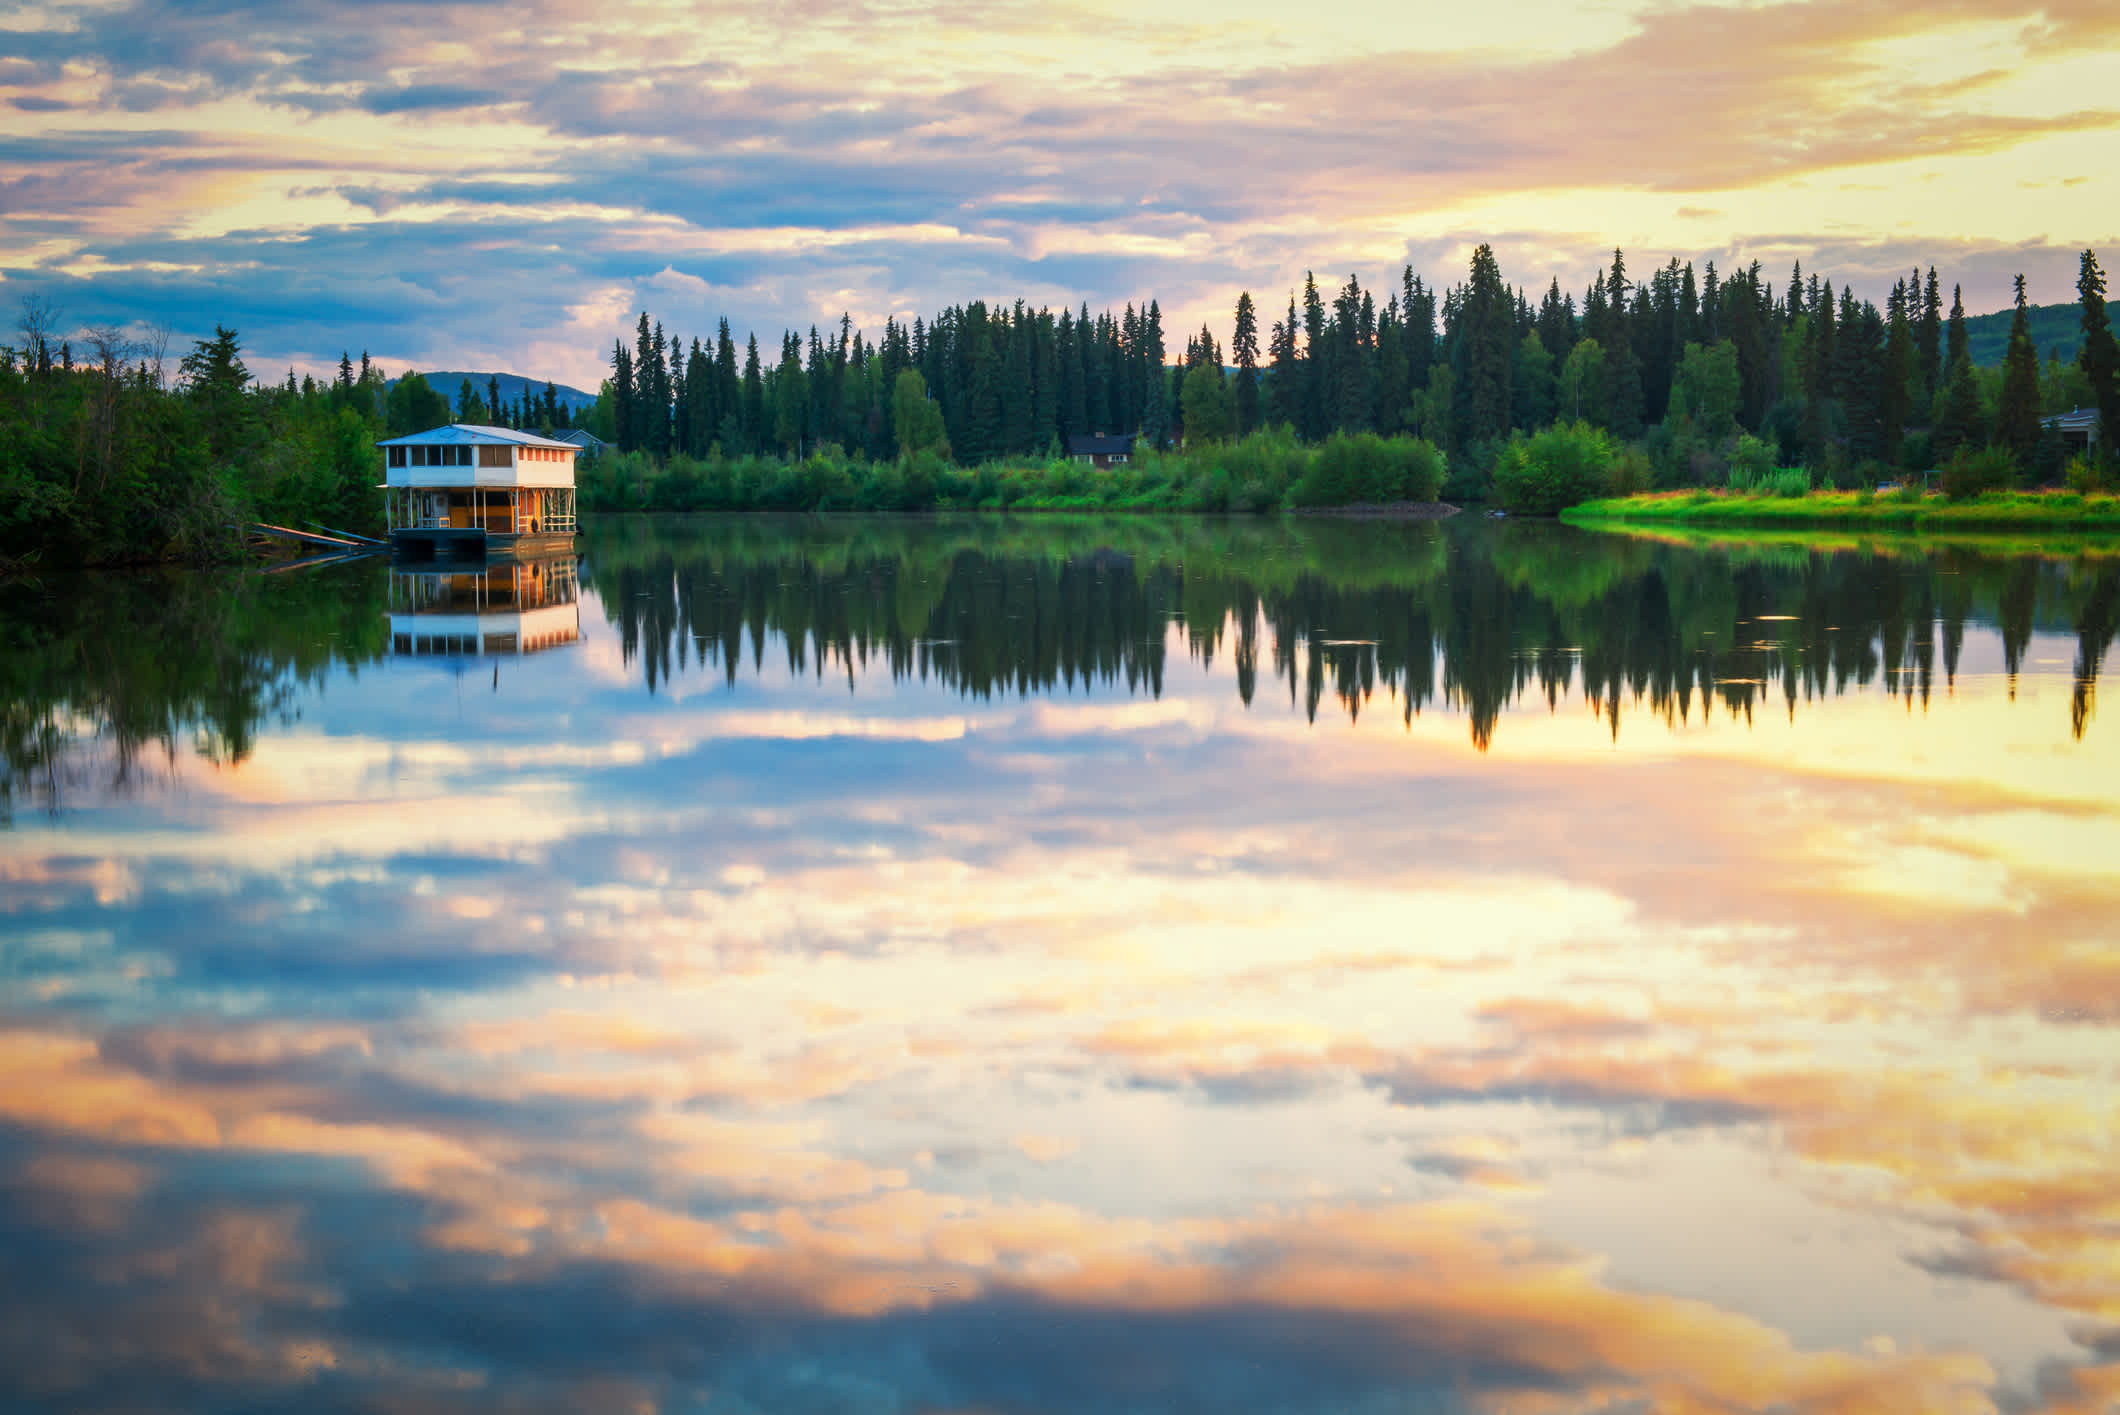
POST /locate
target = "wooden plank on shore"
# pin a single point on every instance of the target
(306, 537)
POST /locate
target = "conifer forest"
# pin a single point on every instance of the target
(113, 448)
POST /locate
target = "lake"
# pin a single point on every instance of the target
(1064, 964)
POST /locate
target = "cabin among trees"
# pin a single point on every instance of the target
(1102, 451)
(2078, 428)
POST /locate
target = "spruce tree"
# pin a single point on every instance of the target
(1485, 353)
(1928, 343)
(1073, 411)
(1895, 398)
(1312, 420)
(625, 420)
(1959, 420)
(1244, 347)
(2098, 356)
(1155, 386)
(1283, 393)
(754, 399)
(2017, 416)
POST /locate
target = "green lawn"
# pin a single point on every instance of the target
(1866, 510)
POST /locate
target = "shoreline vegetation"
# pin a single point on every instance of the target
(1903, 510)
(1482, 393)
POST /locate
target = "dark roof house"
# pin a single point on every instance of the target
(583, 438)
(1102, 450)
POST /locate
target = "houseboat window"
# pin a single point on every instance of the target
(489, 456)
(397, 456)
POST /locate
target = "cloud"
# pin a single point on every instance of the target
(1082, 157)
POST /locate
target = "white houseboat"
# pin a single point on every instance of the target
(465, 491)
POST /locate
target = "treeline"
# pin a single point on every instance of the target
(110, 456)
(1007, 381)
(1674, 368)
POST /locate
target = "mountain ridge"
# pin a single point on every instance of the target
(447, 381)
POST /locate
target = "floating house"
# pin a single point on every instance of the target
(465, 491)
(510, 608)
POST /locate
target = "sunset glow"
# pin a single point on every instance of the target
(452, 186)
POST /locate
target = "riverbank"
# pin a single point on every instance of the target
(1855, 510)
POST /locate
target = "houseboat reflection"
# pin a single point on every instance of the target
(501, 609)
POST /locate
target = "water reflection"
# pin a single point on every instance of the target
(1349, 610)
(921, 966)
(509, 608)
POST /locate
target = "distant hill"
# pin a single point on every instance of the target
(2054, 328)
(513, 384)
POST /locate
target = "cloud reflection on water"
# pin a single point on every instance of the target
(770, 1048)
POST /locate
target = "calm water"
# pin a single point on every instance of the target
(999, 965)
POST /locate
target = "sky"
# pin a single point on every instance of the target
(481, 186)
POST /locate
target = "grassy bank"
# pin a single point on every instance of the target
(2022, 511)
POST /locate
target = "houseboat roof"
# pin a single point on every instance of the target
(476, 433)
(1101, 445)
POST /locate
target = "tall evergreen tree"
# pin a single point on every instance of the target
(1482, 359)
(1314, 418)
(1073, 411)
(1284, 398)
(1244, 348)
(1928, 341)
(1959, 419)
(1155, 379)
(1895, 397)
(754, 399)
(2097, 355)
(2017, 416)
(1417, 310)
(1955, 345)
(1045, 390)
(626, 421)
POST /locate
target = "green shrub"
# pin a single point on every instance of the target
(1972, 472)
(1630, 472)
(1353, 469)
(1553, 469)
(2081, 475)
(1752, 461)
(1788, 481)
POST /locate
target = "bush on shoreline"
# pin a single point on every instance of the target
(1267, 471)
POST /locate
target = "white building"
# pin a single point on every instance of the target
(467, 491)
